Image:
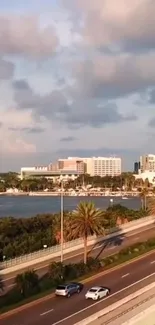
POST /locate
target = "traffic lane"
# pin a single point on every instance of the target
(100, 305)
(116, 281)
(58, 309)
(101, 250)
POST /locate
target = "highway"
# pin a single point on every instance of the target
(68, 311)
(102, 249)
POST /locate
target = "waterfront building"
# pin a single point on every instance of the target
(146, 175)
(72, 163)
(147, 163)
(104, 166)
(136, 167)
(72, 167)
(49, 173)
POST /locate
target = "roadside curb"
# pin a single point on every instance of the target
(52, 295)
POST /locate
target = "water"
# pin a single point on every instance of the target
(27, 206)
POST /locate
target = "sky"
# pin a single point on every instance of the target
(77, 78)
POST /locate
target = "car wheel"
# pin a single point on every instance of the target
(78, 290)
(97, 298)
(68, 296)
(107, 294)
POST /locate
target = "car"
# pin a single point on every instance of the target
(96, 293)
(67, 290)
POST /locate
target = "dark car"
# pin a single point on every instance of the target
(66, 290)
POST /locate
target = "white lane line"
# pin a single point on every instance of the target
(11, 285)
(136, 238)
(125, 275)
(101, 301)
(46, 312)
(152, 262)
(78, 254)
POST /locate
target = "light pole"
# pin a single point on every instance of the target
(62, 221)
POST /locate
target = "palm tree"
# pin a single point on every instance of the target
(1, 284)
(20, 283)
(87, 220)
(26, 282)
(143, 195)
(151, 205)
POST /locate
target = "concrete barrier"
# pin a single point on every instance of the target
(69, 247)
(116, 305)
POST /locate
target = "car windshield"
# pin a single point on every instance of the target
(92, 290)
(61, 287)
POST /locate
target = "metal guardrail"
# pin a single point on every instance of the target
(74, 243)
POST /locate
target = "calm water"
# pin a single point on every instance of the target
(27, 206)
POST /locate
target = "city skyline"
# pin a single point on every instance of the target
(69, 89)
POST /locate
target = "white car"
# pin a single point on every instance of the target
(96, 293)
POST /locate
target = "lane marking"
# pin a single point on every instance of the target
(47, 312)
(101, 301)
(152, 262)
(78, 254)
(125, 275)
(11, 285)
(136, 238)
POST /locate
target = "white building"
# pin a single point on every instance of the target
(37, 172)
(104, 166)
(72, 167)
(147, 163)
(146, 175)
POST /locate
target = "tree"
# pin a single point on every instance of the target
(27, 282)
(151, 205)
(143, 195)
(56, 272)
(1, 284)
(87, 220)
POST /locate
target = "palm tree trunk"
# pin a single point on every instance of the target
(85, 249)
(142, 200)
(145, 202)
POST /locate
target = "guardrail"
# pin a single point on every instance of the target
(116, 305)
(74, 245)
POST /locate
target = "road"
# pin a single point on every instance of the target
(102, 249)
(63, 311)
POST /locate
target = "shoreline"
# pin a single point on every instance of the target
(124, 196)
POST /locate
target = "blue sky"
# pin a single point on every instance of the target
(77, 78)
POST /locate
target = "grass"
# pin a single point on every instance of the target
(116, 259)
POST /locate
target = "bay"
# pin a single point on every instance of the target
(28, 206)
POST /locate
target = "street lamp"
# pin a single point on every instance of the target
(62, 221)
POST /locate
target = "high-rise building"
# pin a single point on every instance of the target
(94, 166)
(136, 167)
(72, 163)
(147, 163)
(104, 166)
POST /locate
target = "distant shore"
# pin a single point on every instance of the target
(70, 194)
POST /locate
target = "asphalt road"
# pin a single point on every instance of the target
(68, 311)
(102, 249)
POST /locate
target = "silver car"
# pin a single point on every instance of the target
(67, 290)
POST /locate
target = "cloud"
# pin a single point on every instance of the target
(55, 106)
(68, 139)
(6, 69)
(125, 24)
(114, 76)
(152, 122)
(151, 96)
(32, 130)
(94, 113)
(22, 35)
(49, 105)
